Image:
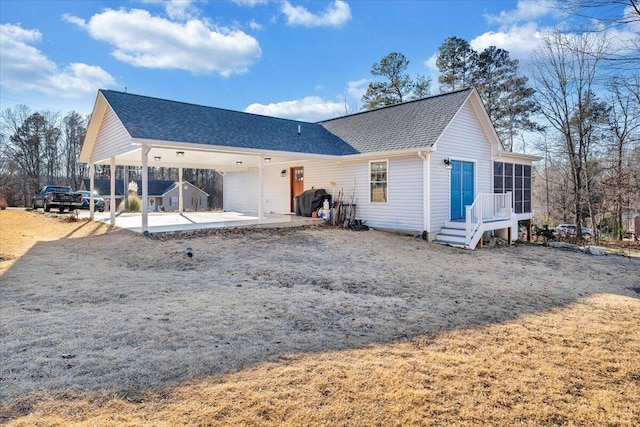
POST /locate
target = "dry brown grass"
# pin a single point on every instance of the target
(318, 327)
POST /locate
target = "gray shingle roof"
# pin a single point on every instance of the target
(157, 187)
(410, 125)
(159, 119)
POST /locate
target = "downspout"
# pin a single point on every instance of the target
(426, 192)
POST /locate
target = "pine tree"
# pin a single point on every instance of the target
(398, 86)
(455, 62)
(506, 96)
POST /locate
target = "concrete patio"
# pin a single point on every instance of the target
(163, 222)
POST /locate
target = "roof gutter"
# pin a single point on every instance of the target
(520, 156)
(395, 153)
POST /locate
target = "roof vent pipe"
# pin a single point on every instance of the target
(299, 130)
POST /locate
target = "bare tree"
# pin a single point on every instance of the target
(74, 132)
(624, 122)
(25, 145)
(565, 68)
(52, 153)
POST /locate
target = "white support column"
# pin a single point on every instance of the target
(145, 187)
(261, 187)
(125, 180)
(91, 188)
(180, 202)
(112, 192)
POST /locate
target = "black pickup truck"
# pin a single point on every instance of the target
(56, 196)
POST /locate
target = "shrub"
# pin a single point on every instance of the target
(134, 204)
(545, 232)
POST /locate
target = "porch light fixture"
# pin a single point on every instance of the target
(238, 162)
(157, 158)
(283, 172)
(180, 153)
(267, 159)
(447, 163)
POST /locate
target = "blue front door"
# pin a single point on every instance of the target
(461, 188)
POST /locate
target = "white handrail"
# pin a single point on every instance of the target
(487, 207)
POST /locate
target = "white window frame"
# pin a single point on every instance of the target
(371, 182)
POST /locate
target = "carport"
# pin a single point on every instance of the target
(133, 130)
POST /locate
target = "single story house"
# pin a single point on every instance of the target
(432, 166)
(162, 194)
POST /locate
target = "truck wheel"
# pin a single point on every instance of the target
(35, 208)
(46, 207)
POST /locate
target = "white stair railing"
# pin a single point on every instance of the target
(487, 207)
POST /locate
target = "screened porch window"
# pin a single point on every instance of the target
(378, 183)
(517, 179)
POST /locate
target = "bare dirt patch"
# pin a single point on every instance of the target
(312, 327)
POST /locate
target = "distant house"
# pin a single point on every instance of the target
(432, 166)
(631, 223)
(163, 194)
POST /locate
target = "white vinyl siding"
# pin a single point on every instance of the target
(404, 190)
(402, 212)
(113, 138)
(463, 140)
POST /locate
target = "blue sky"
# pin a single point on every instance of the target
(307, 60)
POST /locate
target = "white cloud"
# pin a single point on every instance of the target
(631, 15)
(26, 68)
(80, 77)
(520, 41)
(334, 16)
(181, 10)
(143, 40)
(431, 62)
(250, 3)
(308, 109)
(356, 89)
(526, 10)
(519, 32)
(255, 26)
